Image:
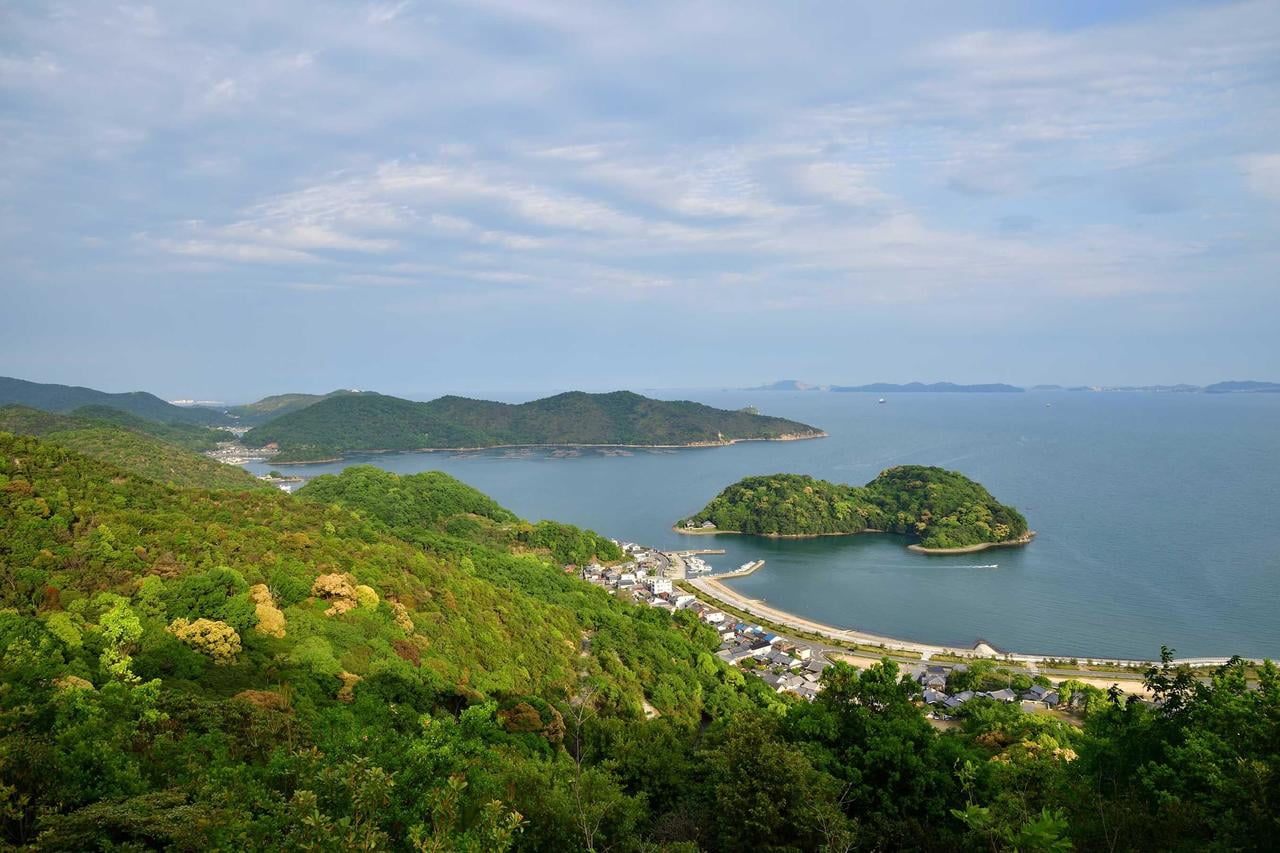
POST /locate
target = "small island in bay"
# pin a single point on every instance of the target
(945, 510)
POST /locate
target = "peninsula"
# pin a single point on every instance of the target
(375, 422)
(945, 510)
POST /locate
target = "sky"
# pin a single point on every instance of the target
(225, 200)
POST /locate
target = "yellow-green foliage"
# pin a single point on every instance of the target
(63, 626)
(260, 593)
(271, 620)
(216, 639)
(367, 596)
(336, 589)
(401, 615)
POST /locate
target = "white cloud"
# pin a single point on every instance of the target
(658, 147)
(223, 251)
(1263, 173)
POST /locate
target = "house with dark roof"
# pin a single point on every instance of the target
(777, 682)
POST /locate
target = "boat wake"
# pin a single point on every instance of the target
(989, 566)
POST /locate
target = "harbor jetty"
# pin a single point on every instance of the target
(742, 571)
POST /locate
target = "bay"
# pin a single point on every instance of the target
(1158, 514)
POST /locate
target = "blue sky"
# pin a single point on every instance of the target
(226, 200)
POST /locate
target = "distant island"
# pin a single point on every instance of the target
(376, 422)
(945, 510)
(890, 388)
(1245, 387)
(788, 385)
(932, 388)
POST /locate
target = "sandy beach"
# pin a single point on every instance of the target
(973, 549)
(716, 590)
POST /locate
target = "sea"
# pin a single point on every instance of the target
(1157, 514)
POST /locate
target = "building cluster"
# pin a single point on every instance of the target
(783, 665)
(643, 574)
(932, 679)
(235, 453)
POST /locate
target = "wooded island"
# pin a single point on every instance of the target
(944, 509)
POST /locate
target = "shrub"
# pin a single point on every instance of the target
(287, 589)
(216, 639)
(271, 620)
(337, 590)
(367, 596)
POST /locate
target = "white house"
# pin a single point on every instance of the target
(659, 585)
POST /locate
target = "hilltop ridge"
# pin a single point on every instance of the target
(375, 422)
(51, 397)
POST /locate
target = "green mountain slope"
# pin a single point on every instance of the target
(161, 452)
(193, 437)
(196, 670)
(66, 398)
(943, 509)
(241, 620)
(263, 410)
(378, 422)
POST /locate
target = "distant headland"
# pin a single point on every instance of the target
(368, 422)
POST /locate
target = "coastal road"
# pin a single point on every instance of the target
(715, 594)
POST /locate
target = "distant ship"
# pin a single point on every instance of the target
(881, 400)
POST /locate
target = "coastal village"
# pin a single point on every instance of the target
(788, 665)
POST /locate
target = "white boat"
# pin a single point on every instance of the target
(881, 400)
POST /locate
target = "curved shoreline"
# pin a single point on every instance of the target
(718, 592)
(725, 443)
(916, 548)
(973, 549)
(696, 531)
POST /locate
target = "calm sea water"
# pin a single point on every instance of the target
(1158, 515)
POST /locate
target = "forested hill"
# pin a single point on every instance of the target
(397, 663)
(377, 422)
(166, 453)
(943, 509)
(419, 506)
(242, 669)
(277, 405)
(66, 398)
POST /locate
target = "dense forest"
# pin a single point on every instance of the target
(942, 509)
(149, 449)
(346, 423)
(385, 662)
